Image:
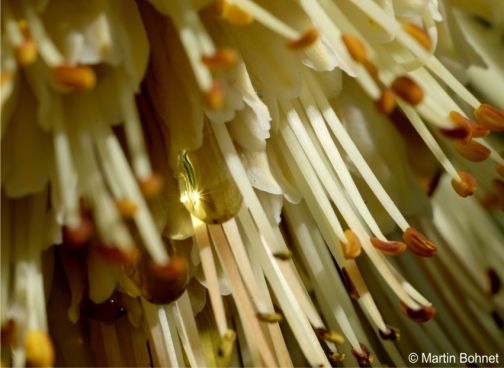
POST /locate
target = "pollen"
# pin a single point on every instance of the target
(355, 47)
(466, 186)
(391, 248)
(408, 90)
(26, 53)
(221, 59)
(39, 349)
(232, 13)
(226, 347)
(464, 129)
(352, 247)
(269, 317)
(126, 208)
(214, 97)
(386, 103)
(421, 315)
(307, 39)
(76, 78)
(472, 150)
(152, 186)
(419, 34)
(490, 117)
(418, 243)
(330, 336)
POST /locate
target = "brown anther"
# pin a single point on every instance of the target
(386, 102)
(307, 39)
(231, 13)
(79, 235)
(352, 247)
(269, 317)
(116, 255)
(421, 315)
(494, 281)
(226, 346)
(214, 97)
(418, 243)
(391, 333)
(74, 77)
(408, 90)
(490, 117)
(26, 53)
(349, 285)
(176, 268)
(8, 336)
(463, 130)
(472, 150)
(466, 186)
(419, 34)
(284, 256)
(328, 335)
(392, 248)
(355, 47)
(126, 208)
(500, 169)
(372, 70)
(39, 349)
(364, 358)
(152, 186)
(222, 59)
(336, 357)
(479, 131)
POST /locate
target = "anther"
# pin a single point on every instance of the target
(214, 97)
(391, 248)
(126, 208)
(479, 131)
(490, 117)
(284, 256)
(419, 34)
(372, 70)
(386, 102)
(352, 247)
(463, 130)
(418, 243)
(269, 317)
(39, 349)
(173, 270)
(355, 47)
(307, 39)
(328, 335)
(231, 13)
(79, 235)
(152, 186)
(364, 358)
(494, 281)
(391, 333)
(74, 77)
(26, 53)
(466, 186)
(408, 90)
(116, 255)
(421, 315)
(221, 59)
(472, 150)
(226, 346)
(349, 285)
(336, 357)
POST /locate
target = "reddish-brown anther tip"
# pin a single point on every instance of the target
(307, 39)
(126, 208)
(113, 254)
(355, 47)
(349, 285)
(391, 333)
(421, 315)
(466, 186)
(352, 247)
(221, 59)
(79, 235)
(152, 186)
(408, 90)
(364, 358)
(391, 248)
(214, 97)
(418, 243)
(472, 150)
(175, 269)
(463, 129)
(490, 117)
(386, 102)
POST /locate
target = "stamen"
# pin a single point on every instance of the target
(472, 150)
(175, 269)
(232, 13)
(152, 186)
(466, 186)
(418, 243)
(355, 48)
(336, 357)
(75, 78)
(391, 248)
(408, 90)
(214, 97)
(421, 315)
(386, 103)
(328, 335)
(269, 317)
(364, 358)
(372, 70)
(490, 117)
(26, 53)
(126, 208)
(418, 34)
(284, 256)
(494, 281)
(349, 285)
(221, 59)
(352, 247)
(79, 235)
(39, 349)
(463, 130)
(226, 347)
(307, 39)
(392, 333)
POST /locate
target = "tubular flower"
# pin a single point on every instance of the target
(251, 182)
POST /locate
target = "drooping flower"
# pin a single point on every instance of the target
(238, 182)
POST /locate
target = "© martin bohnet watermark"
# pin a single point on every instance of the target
(460, 358)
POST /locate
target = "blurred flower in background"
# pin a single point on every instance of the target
(251, 183)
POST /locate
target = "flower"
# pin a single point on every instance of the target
(240, 182)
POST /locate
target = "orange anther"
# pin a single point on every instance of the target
(75, 77)
(307, 39)
(490, 117)
(386, 103)
(222, 59)
(418, 243)
(408, 90)
(352, 247)
(389, 247)
(472, 150)
(419, 34)
(355, 47)
(466, 186)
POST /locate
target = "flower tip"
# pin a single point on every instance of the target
(418, 243)
(221, 59)
(355, 47)
(307, 39)
(214, 97)
(76, 78)
(391, 248)
(421, 315)
(364, 358)
(408, 90)
(490, 117)
(39, 349)
(419, 34)
(466, 186)
(352, 247)
(391, 333)
(152, 186)
(386, 103)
